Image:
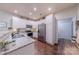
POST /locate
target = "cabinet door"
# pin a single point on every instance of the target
(26, 50)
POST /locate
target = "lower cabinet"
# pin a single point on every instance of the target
(26, 50)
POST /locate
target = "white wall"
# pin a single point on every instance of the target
(66, 13)
(78, 12)
(51, 29)
(69, 12)
(7, 18)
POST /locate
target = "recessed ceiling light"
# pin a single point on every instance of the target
(35, 9)
(49, 9)
(30, 13)
(15, 11)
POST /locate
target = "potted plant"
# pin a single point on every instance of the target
(4, 43)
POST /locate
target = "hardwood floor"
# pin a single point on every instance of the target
(64, 47)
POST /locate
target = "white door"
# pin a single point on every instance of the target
(65, 28)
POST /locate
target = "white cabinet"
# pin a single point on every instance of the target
(26, 50)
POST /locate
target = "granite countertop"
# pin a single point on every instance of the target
(19, 43)
(2, 33)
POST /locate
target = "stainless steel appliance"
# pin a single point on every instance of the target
(42, 32)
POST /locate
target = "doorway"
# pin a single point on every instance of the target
(65, 28)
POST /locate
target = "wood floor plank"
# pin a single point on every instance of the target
(64, 47)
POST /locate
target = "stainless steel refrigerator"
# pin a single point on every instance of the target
(42, 32)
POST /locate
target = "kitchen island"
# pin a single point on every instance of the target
(22, 46)
(2, 33)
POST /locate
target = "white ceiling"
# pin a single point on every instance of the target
(25, 8)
